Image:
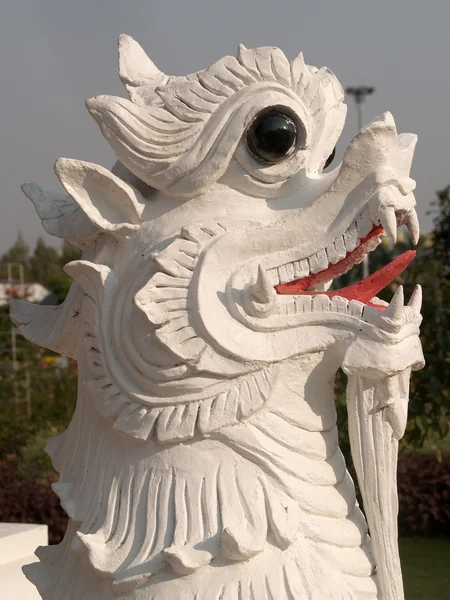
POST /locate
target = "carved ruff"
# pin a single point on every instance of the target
(266, 488)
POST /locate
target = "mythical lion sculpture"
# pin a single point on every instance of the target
(202, 461)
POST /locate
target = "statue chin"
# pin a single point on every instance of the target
(202, 460)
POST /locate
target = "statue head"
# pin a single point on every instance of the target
(214, 242)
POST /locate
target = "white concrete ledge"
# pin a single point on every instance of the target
(18, 541)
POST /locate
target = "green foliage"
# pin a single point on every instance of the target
(23, 428)
(52, 389)
(425, 568)
(424, 493)
(30, 500)
(430, 388)
(18, 253)
(44, 265)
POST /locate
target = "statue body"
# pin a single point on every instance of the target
(202, 461)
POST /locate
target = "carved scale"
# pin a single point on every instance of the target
(202, 461)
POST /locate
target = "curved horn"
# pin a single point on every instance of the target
(135, 67)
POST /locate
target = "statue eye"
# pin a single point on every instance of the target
(330, 158)
(273, 135)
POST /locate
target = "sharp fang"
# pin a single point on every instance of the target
(395, 309)
(388, 221)
(263, 290)
(415, 302)
(412, 223)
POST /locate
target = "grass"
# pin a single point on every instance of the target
(426, 568)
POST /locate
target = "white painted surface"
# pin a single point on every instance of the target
(203, 460)
(17, 545)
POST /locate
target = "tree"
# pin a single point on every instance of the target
(18, 253)
(430, 389)
(69, 253)
(46, 267)
(44, 263)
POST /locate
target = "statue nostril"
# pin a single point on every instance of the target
(330, 158)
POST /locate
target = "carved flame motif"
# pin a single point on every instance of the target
(202, 460)
(171, 139)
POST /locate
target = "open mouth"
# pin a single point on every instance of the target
(364, 291)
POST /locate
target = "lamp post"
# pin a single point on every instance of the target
(360, 94)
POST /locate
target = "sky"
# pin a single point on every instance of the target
(55, 54)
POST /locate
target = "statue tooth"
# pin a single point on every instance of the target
(415, 302)
(412, 223)
(356, 308)
(301, 268)
(286, 273)
(303, 304)
(372, 316)
(388, 221)
(318, 261)
(298, 303)
(339, 304)
(313, 264)
(282, 274)
(322, 259)
(290, 271)
(395, 309)
(364, 224)
(262, 289)
(351, 239)
(307, 304)
(321, 303)
(292, 308)
(332, 254)
(371, 244)
(340, 247)
(272, 275)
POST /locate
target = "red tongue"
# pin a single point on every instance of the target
(363, 291)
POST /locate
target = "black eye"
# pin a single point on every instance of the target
(330, 158)
(273, 135)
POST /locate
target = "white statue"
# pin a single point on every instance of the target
(202, 462)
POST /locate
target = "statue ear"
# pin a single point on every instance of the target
(107, 201)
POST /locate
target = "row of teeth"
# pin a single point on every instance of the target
(332, 254)
(395, 314)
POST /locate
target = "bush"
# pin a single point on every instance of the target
(424, 495)
(31, 500)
